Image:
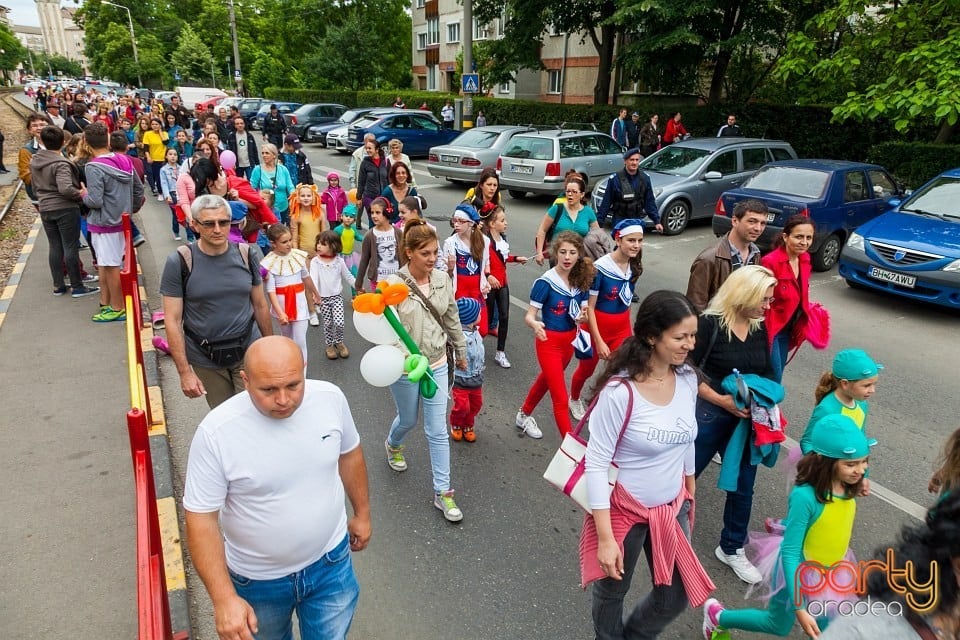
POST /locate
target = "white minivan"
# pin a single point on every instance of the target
(190, 96)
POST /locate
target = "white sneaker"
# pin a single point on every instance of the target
(159, 197)
(528, 426)
(314, 321)
(501, 359)
(577, 409)
(740, 565)
(177, 238)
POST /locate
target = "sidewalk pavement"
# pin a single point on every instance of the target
(68, 522)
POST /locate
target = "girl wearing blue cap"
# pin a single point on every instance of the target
(608, 314)
(819, 524)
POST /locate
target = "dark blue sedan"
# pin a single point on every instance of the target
(913, 250)
(838, 196)
(417, 130)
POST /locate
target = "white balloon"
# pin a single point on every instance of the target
(382, 365)
(374, 328)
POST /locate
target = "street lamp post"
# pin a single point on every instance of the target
(133, 37)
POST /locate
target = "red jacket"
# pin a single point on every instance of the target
(788, 294)
(673, 131)
(258, 208)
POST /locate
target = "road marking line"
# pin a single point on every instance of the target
(877, 490)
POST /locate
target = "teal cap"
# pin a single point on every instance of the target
(349, 210)
(854, 364)
(838, 436)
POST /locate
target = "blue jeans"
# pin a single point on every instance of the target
(323, 594)
(779, 352)
(407, 397)
(715, 425)
(658, 609)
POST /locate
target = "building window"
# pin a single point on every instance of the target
(433, 31)
(553, 81)
(453, 32)
(480, 31)
(421, 3)
(502, 22)
(505, 87)
(432, 77)
(421, 41)
(554, 31)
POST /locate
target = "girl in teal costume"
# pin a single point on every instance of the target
(819, 524)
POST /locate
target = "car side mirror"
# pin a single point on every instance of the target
(894, 202)
(712, 175)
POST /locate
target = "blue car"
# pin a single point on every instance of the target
(836, 195)
(913, 250)
(283, 108)
(417, 130)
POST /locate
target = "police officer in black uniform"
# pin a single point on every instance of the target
(629, 194)
(274, 126)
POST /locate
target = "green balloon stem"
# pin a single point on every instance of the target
(400, 330)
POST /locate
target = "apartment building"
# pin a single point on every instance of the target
(571, 61)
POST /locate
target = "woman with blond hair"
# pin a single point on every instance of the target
(732, 335)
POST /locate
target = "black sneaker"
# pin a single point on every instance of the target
(82, 292)
(59, 291)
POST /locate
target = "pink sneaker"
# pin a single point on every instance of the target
(711, 617)
(160, 344)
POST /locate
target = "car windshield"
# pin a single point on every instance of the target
(675, 160)
(349, 116)
(941, 198)
(475, 139)
(532, 148)
(791, 181)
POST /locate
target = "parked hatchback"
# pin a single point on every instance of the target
(469, 153)
(536, 162)
(838, 196)
(249, 108)
(318, 132)
(313, 113)
(913, 250)
(417, 130)
(688, 177)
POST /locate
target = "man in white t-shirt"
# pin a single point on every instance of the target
(272, 466)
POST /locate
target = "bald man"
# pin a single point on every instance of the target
(272, 466)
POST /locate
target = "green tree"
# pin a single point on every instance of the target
(56, 64)
(897, 60)
(13, 51)
(191, 58)
(268, 71)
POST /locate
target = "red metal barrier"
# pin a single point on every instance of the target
(153, 605)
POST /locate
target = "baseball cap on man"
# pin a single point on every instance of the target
(292, 140)
(854, 364)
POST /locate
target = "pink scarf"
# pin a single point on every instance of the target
(671, 549)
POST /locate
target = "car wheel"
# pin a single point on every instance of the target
(828, 254)
(676, 218)
(517, 195)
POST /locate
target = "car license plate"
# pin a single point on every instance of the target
(891, 276)
(516, 168)
(453, 159)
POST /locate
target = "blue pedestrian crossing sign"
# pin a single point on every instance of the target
(471, 83)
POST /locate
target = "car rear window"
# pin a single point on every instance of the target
(792, 181)
(675, 160)
(942, 197)
(530, 148)
(476, 139)
(779, 153)
(364, 122)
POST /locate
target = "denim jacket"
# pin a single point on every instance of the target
(472, 378)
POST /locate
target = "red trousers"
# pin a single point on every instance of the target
(553, 354)
(614, 328)
(466, 405)
(469, 287)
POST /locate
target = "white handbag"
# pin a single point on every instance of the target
(566, 469)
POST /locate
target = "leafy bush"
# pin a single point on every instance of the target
(807, 128)
(914, 163)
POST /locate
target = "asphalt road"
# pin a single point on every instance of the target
(510, 569)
